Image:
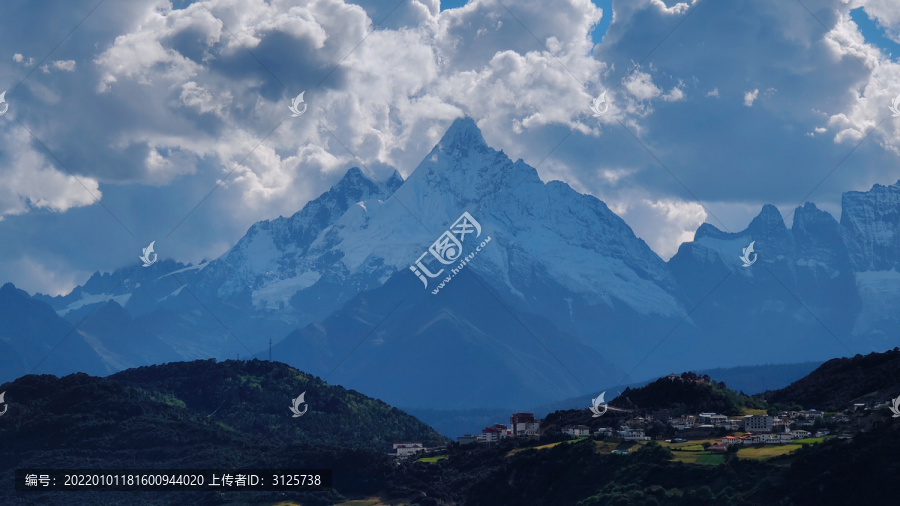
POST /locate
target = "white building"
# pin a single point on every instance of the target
(758, 423)
(488, 437)
(533, 428)
(494, 433)
(730, 440)
(633, 435)
(683, 422)
(753, 439)
(577, 430)
(713, 419)
(467, 439)
(778, 438)
(524, 424)
(811, 414)
(406, 449)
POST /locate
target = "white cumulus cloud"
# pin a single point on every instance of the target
(750, 97)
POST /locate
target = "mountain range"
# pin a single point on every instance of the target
(543, 293)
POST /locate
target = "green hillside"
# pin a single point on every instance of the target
(686, 394)
(235, 414)
(840, 382)
(198, 414)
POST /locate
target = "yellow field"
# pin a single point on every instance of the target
(812, 440)
(767, 451)
(692, 452)
(434, 459)
(546, 446)
(542, 447)
(748, 411)
(694, 444)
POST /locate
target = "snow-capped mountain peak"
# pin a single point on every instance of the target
(269, 258)
(871, 223)
(573, 239)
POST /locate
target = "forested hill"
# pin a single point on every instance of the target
(255, 396)
(689, 393)
(200, 414)
(840, 382)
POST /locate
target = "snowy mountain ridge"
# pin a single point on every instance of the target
(577, 239)
(559, 260)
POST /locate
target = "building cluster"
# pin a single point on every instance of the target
(783, 428)
(705, 421)
(749, 423)
(623, 433)
(757, 428)
(770, 438)
(520, 425)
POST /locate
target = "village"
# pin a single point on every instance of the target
(745, 430)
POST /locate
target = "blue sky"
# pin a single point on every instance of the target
(170, 124)
(452, 4)
(874, 34)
